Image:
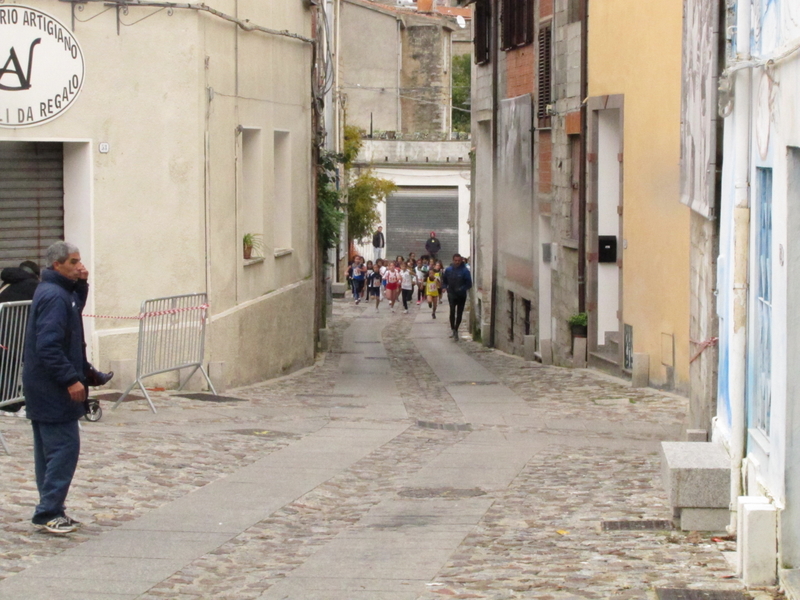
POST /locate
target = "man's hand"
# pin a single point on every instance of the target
(83, 273)
(77, 392)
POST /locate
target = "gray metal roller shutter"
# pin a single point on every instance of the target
(412, 213)
(31, 200)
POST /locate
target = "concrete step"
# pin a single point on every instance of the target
(611, 345)
(790, 582)
(604, 361)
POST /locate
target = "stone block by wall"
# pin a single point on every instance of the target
(696, 475)
(640, 375)
(756, 543)
(741, 501)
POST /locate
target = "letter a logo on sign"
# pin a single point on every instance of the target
(24, 79)
(41, 67)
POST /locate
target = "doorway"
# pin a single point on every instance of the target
(606, 242)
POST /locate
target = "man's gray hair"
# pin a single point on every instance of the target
(59, 252)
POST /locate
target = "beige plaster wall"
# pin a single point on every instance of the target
(165, 202)
(635, 50)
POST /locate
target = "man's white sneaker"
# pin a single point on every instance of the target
(58, 526)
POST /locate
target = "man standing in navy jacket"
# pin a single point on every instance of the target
(53, 380)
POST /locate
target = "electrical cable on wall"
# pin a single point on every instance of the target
(244, 24)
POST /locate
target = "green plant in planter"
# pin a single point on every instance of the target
(578, 320)
(250, 242)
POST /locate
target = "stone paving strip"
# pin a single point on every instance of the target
(403, 465)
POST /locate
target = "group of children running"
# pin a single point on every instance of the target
(395, 279)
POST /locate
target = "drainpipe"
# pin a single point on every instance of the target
(494, 56)
(399, 124)
(582, 179)
(741, 252)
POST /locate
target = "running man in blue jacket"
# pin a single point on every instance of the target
(54, 381)
(457, 280)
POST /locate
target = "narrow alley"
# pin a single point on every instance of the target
(403, 465)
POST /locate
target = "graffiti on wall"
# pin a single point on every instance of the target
(699, 106)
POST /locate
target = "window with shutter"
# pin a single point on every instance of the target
(482, 23)
(544, 76)
(517, 23)
(31, 200)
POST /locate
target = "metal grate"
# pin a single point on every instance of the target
(211, 397)
(447, 426)
(31, 200)
(687, 594)
(329, 395)
(637, 525)
(412, 213)
(265, 433)
(443, 492)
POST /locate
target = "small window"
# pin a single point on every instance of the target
(544, 77)
(446, 51)
(574, 11)
(526, 307)
(573, 225)
(252, 191)
(511, 316)
(517, 22)
(282, 186)
(482, 30)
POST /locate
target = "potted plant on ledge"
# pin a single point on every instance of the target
(250, 242)
(578, 324)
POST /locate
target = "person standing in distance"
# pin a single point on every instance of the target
(19, 283)
(53, 379)
(457, 280)
(378, 243)
(433, 245)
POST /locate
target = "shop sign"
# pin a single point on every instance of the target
(41, 67)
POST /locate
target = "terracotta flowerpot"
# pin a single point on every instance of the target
(248, 252)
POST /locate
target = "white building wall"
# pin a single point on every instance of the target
(422, 177)
(762, 131)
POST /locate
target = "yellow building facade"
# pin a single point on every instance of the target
(638, 231)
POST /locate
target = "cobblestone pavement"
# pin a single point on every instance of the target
(541, 536)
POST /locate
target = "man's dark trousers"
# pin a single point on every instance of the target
(56, 447)
(457, 302)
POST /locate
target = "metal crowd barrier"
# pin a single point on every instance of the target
(172, 334)
(13, 323)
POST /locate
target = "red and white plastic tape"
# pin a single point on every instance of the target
(156, 313)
